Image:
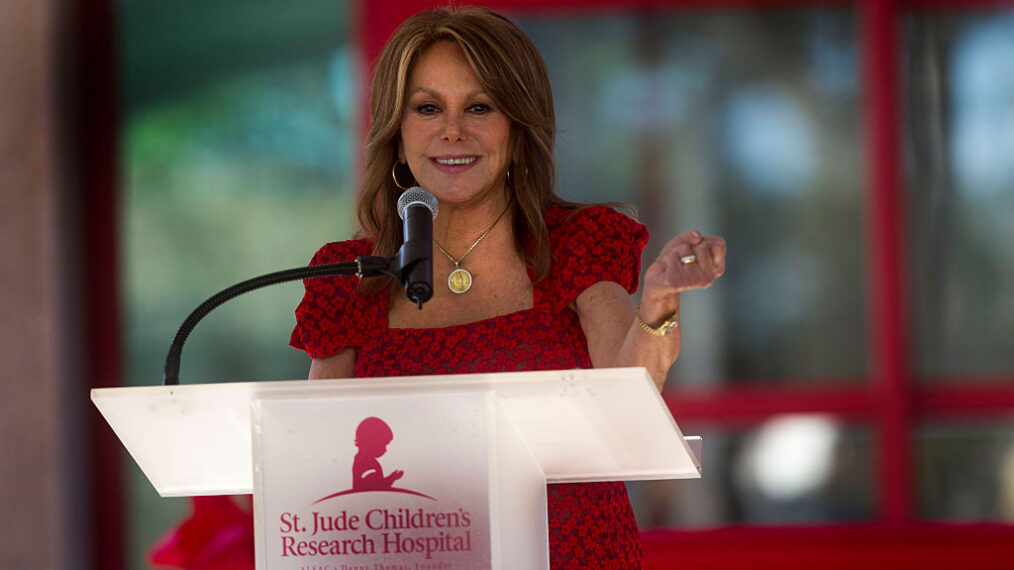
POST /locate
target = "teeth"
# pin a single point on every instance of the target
(455, 161)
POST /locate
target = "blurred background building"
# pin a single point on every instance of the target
(852, 374)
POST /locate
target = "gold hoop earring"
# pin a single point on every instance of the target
(394, 175)
(511, 177)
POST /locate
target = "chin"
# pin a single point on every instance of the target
(454, 196)
(463, 195)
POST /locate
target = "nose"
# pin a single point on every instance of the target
(452, 130)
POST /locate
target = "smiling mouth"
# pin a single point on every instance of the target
(456, 161)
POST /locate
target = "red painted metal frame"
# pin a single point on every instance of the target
(888, 334)
(378, 19)
(889, 400)
(745, 406)
(911, 546)
(974, 400)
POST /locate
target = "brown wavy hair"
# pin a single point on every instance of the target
(513, 74)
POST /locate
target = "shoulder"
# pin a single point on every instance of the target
(341, 285)
(332, 314)
(589, 245)
(337, 251)
(582, 227)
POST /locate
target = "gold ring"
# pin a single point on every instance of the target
(686, 259)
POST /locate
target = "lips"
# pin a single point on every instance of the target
(456, 161)
(453, 164)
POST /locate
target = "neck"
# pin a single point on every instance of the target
(458, 226)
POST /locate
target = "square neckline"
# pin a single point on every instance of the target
(385, 310)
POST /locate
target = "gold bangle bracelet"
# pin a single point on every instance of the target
(667, 326)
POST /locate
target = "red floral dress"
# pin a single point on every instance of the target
(591, 525)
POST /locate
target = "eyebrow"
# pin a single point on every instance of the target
(433, 93)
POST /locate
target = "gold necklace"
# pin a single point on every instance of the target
(460, 280)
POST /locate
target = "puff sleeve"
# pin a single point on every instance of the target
(332, 314)
(590, 245)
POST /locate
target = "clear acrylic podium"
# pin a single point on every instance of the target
(440, 472)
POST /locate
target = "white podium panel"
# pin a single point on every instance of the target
(580, 425)
(378, 482)
(518, 490)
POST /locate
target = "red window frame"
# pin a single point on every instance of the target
(889, 399)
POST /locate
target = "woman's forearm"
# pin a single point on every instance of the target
(655, 352)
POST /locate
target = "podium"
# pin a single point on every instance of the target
(429, 472)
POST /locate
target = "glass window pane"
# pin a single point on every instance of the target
(789, 470)
(237, 156)
(961, 191)
(966, 471)
(740, 123)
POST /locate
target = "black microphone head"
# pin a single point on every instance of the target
(417, 195)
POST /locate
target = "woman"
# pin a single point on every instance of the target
(461, 105)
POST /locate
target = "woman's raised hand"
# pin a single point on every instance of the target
(689, 261)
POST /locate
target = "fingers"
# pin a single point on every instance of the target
(689, 261)
(683, 243)
(693, 243)
(710, 256)
(711, 252)
(693, 237)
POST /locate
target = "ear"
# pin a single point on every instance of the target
(517, 145)
(401, 151)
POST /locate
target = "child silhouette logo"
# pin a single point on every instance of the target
(372, 438)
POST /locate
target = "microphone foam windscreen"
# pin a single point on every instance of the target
(417, 195)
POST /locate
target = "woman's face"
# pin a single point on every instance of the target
(455, 140)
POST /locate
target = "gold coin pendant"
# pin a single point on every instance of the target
(459, 281)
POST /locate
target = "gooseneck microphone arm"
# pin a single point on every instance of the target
(363, 266)
(412, 266)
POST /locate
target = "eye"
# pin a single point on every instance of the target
(427, 109)
(480, 108)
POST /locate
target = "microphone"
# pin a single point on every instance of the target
(417, 208)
